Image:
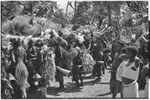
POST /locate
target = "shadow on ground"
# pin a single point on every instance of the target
(103, 83)
(33, 94)
(53, 91)
(105, 94)
(68, 89)
(73, 89)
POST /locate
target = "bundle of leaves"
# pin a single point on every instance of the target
(16, 26)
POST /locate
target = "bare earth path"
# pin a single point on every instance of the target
(90, 89)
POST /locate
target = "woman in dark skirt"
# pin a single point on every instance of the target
(115, 85)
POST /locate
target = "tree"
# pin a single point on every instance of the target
(138, 6)
(9, 8)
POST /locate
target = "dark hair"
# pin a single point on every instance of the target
(145, 52)
(30, 42)
(42, 82)
(121, 43)
(14, 42)
(132, 49)
(39, 43)
(124, 49)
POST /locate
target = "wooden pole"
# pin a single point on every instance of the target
(67, 8)
(109, 12)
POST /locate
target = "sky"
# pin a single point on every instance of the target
(63, 5)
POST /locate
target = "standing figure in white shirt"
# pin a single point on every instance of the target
(128, 73)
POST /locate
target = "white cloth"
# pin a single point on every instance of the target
(131, 91)
(13, 56)
(11, 77)
(88, 63)
(146, 88)
(80, 38)
(120, 71)
(128, 72)
(146, 91)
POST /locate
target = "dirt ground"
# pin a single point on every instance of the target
(90, 89)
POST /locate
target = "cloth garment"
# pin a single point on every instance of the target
(130, 72)
(88, 63)
(115, 64)
(146, 75)
(146, 88)
(49, 68)
(115, 85)
(21, 73)
(13, 57)
(120, 70)
(76, 70)
(131, 91)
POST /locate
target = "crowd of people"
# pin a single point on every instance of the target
(31, 63)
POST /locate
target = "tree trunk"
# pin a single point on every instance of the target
(67, 7)
(109, 13)
(118, 28)
(75, 12)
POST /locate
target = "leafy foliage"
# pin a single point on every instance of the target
(98, 15)
(138, 6)
(40, 8)
(9, 8)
